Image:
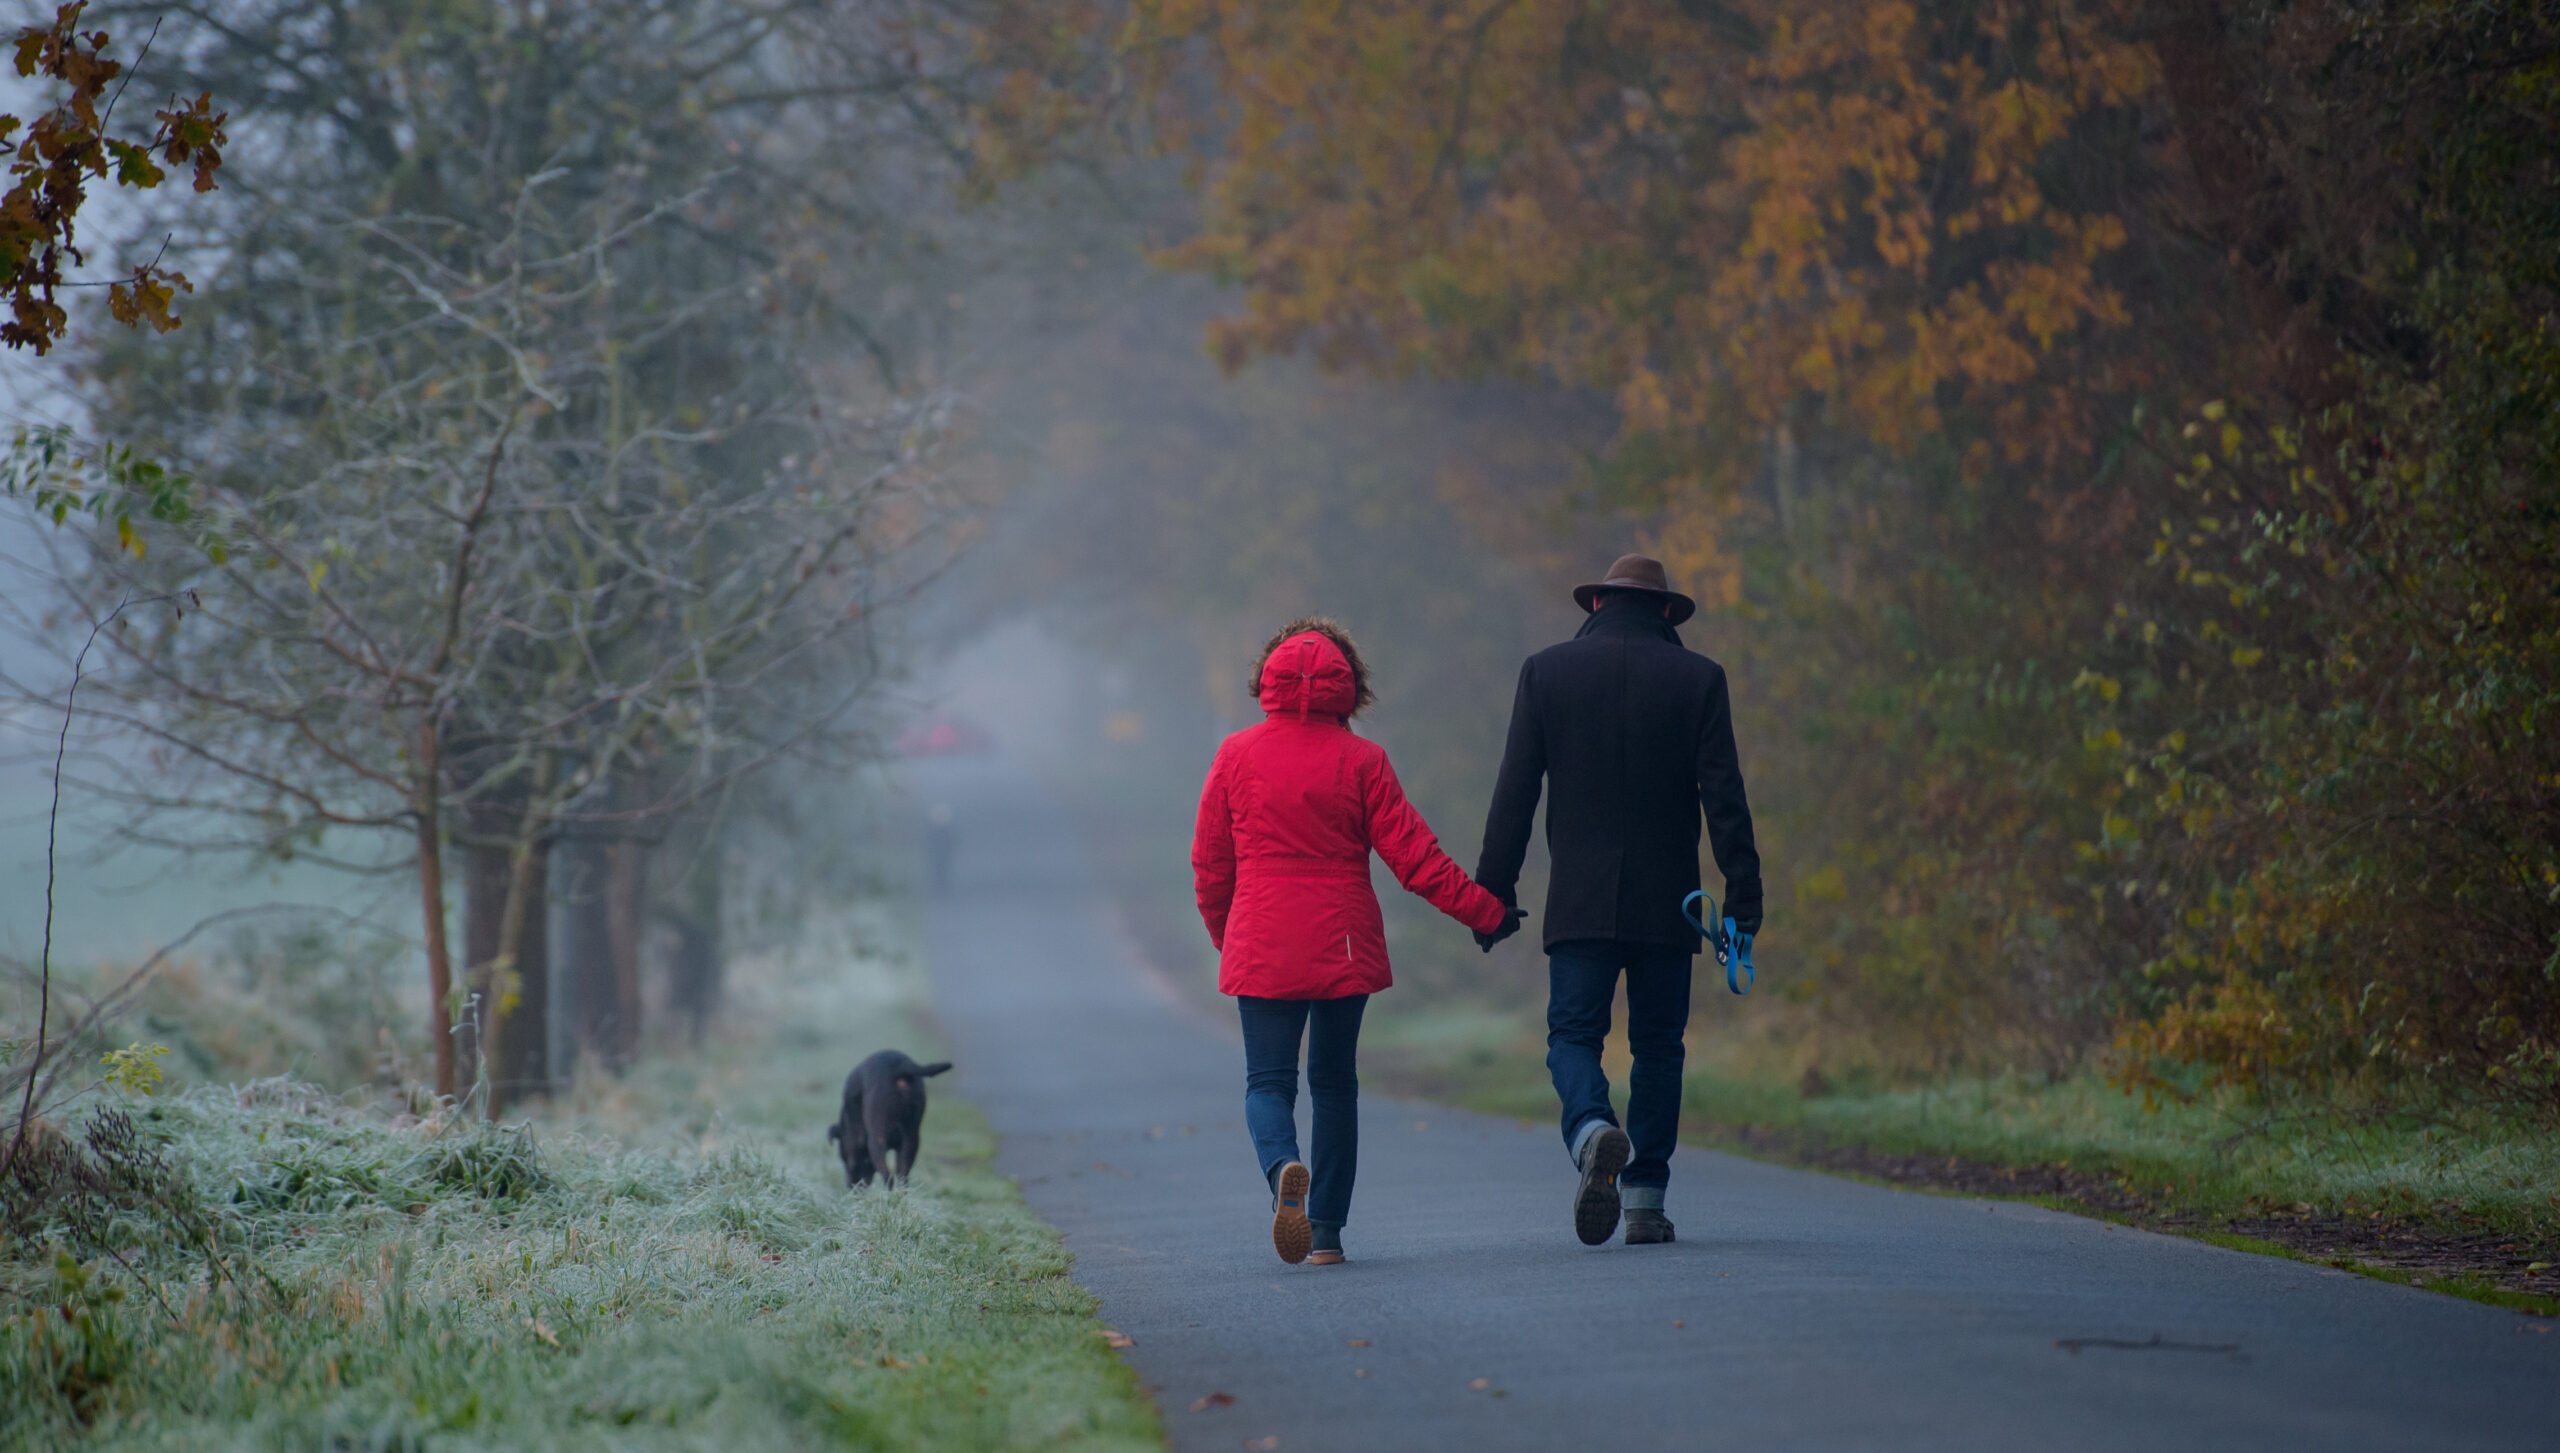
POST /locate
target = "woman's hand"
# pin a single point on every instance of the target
(1513, 915)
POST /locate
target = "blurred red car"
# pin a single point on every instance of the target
(945, 736)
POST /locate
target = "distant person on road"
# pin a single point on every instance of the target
(941, 844)
(1634, 734)
(1280, 861)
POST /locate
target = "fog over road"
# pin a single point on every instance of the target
(1797, 1311)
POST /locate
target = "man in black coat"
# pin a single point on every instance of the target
(1635, 733)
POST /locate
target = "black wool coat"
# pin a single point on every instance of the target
(1635, 733)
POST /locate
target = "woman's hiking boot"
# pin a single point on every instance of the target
(1647, 1227)
(1327, 1246)
(1595, 1201)
(1291, 1236)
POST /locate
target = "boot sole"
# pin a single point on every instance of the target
(1595, 1205)
(1291, 1235)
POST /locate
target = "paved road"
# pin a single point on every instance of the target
(1796, 1312)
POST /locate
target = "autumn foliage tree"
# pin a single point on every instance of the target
(2116, 433)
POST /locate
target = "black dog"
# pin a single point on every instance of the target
(883, 1112)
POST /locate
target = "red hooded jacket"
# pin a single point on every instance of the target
(1280, 856)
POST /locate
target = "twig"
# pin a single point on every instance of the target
(134, 70)
(138, 1276)
(52, 819)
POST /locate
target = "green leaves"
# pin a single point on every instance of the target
(109, 483)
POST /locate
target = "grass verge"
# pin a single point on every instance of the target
(2463, 1203)
(668, 1261)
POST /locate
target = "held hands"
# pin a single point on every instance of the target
(1512, 917)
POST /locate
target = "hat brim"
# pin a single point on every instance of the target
(1682, 607)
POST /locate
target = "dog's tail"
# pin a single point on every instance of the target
(835, 1133)
(933, 1069)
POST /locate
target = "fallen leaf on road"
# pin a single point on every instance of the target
(1481, 1383)
(1679, 1324)
(1357, 1342)
(1421, 1124)
(1364, 1372)
(1214, 1400)
(1116, 1339)
(1262, 1445)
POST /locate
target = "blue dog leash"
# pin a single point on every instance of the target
(1732, 946)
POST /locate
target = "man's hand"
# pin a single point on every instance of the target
(1512, 917)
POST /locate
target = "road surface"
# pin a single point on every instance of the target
(1797, 1311)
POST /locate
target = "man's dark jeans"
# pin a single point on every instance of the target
(1331, 1027)
(1582, 979)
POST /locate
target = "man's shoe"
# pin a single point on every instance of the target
(1647, 1227)
(1291, 1236)
(1595, 1203)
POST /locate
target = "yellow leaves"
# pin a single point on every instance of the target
(1690, 543)
(2236, 1030)
(145, 298)
(1772, 218)
(136, 1067)
(2107, 687)
(1824, 885)
(1642, 403)
(2246, 656)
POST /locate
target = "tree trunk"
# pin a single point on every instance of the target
(695, 915)
(626, 905)
(520, 1014)
(507, 937)
(429, 811)
(594, 990)
(606, 905)
(484, 901)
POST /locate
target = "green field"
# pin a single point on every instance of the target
(666, 1261)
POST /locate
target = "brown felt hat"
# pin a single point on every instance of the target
(1638, 572)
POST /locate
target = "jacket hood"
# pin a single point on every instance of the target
(1308, 676)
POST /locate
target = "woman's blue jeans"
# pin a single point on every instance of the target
(1331, 1029)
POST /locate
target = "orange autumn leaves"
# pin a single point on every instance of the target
(1728, 217)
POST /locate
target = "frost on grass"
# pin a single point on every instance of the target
(674, 1264)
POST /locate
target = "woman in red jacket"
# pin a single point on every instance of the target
(1280, 859)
